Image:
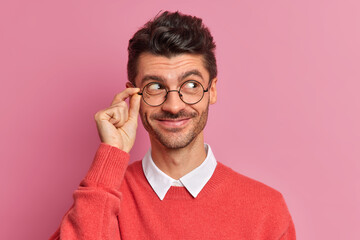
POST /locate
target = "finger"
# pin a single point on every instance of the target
(122, 96)
(122, 117)
(134, 106)
(112, 113)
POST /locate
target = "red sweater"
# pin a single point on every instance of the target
(116, 202)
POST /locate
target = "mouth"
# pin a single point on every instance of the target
(173, 123)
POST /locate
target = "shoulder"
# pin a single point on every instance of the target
(243, 181)
(262, 205)
(249, 190)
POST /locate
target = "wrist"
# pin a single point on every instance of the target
(118, 146)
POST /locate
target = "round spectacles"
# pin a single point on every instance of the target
(190, 92)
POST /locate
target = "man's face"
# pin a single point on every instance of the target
(174, 124)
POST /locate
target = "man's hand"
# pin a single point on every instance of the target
(117, 124)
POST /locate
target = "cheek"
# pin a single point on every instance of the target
(145, 112)
(144, 108)
(142, 113)
(203, 105)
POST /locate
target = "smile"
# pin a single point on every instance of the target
(173, 122)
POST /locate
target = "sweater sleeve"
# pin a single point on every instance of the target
(290, 232)
(96, 206)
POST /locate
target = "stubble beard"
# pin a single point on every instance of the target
(180, 140)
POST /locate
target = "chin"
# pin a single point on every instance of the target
(169, 144)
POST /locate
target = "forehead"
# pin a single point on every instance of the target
(169, 69)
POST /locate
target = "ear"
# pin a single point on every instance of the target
(212, 91)
(129, 85)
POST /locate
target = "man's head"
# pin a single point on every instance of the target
(172, 34)
(167, 53)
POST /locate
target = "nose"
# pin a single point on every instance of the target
(173, 103)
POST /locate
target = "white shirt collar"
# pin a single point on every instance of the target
(194, 181)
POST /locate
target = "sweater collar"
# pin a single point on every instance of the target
(194, 181)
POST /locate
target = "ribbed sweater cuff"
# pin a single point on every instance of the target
(108, 167)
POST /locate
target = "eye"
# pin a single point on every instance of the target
(154, 88)
(191, 85)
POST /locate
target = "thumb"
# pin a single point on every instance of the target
(134, 106)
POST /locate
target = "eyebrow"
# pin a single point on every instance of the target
(152, 77)
(191, 72)
(182, 77)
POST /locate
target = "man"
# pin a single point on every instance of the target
(178, 190)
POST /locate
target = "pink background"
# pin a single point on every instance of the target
(288, 110)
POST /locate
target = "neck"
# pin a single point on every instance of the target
(178, 162)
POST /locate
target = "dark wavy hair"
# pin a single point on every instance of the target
(170, 34)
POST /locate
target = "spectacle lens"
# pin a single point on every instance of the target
(154, 94)
(191, 92)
